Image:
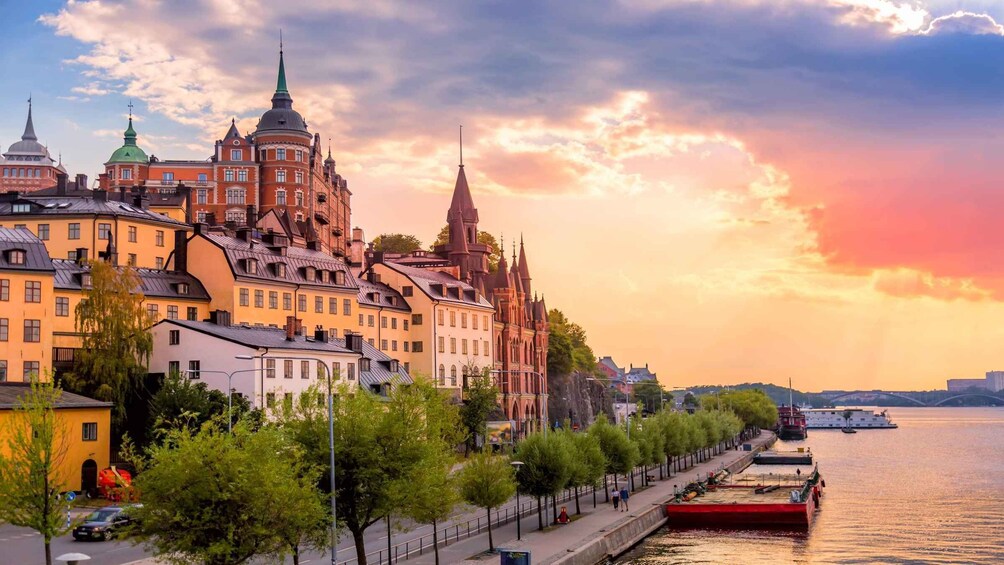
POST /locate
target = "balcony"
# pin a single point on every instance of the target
(322, 197)
(321, 217)
(336, 231)
(63, 357)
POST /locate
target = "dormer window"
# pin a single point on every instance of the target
(16, 257)
(364, 365)
(393, 366)
(325, 276)
(279, 269)
(182, 288)
(21, 208)
(85, 280)
(339, 277)
(310, 273)
(251, 266)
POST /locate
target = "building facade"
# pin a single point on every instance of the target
(27, 165)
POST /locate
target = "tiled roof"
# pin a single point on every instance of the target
(387, 296)
(296, 259)
(425, 279)
(10, 393)
(153, 282)
(72, 205)
(36, 256)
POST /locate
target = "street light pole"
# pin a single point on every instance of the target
(517, 465)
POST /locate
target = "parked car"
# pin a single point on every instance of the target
(103, 524)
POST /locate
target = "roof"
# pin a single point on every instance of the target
(36, 256)
(296, 259)
(74, 205)
(380, 295)
(426, 280)
(462, 204)
(154, 283)
(380, 372)
(282, 117)
(10, 393)
(609, 363)
(29, 145)
(129, 152)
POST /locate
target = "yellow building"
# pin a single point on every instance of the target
(384, 319)
(260, 279)
(86, 438)
(26, 302)
(96, 222)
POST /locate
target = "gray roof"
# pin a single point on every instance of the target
(425, 279)
(296, 259)
(29, 145)
(73, 205)
(36, 256)
(275, 338)
(153, 282)
(380, 295)
(10, 393)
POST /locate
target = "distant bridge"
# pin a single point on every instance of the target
(931, 398)
(878, 393)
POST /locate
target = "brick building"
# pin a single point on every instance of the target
(27, 165)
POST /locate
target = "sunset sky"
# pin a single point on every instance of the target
(730, 191)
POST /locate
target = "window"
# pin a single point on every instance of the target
(406, 344)
(346, 306)
(32, 331)
(251, 266)
(287, 368)
(405, 322)
(181, 288)
(270, 368)
(333, 333)
(33, 291)
(235, 154)
(62, 306)
(280, 176)
(244, 297)
(174, 337)
(270, 399)
(132, 234)
(259, 299)
(453, 375)
(364, 365)
(3, 371)
(442, 344)
(370, 320)
(474, 342)
(287, 301)
(485, 348)
(153, 311)
(280, 197)
(159, 238)
(463, 319)
(193, 314)
(453, 319)
(393, 345)
(299, 155)
(485, 320)
(90, 431)
(407, 290)
(172, 312)
(416, 319)
(167, 177)
(202, 178)
(235, 216)
(361, 320)
(174, 367)
(21, 208)
(299, 193)
(31, 369)
(200, 217)
(73, 231)
(273, 300)
(463, 347)
(228, 175)
(442, 318)
(4, 325)
(321, 370)
(132, 260)
(15, 257)
(299, 180)
(336, 370)
(43, 232)
(280, 154)
(453, 345)
(383, 345)
(194, 369)
(351, 371)
(104, 231)
(201, 196)
(383, 322)
(242, 175)
(126, 174)
(340, 277)
(332, 305)
(442, 375)
(71, 255)
(301, 302)
(305, 369)
(235, 196)
(318, 304)
(393, 323)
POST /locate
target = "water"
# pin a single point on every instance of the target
(931, 491)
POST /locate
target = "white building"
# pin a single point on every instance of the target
(995, 381)
(266, 364)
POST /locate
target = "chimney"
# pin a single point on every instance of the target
(320, 335)
(211, 218)
(81, 181)
(81, 255)
(186, 192)
(244, 234)
(61, 184)
(181, 250)
(252, 216)
(314, 245)
(290, 328)
(100, 196)
(122, 194)
(9, 196)
(220, 317)
(137, 201)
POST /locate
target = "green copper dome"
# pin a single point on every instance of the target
(129, 152)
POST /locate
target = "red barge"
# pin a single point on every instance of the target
(749, 501)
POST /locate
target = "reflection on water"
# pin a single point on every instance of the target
(931, 491)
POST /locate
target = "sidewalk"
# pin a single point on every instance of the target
(556, 542)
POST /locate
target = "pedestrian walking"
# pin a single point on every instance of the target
(617, 499)
(624, 499)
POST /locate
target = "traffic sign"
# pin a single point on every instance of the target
(71, 496)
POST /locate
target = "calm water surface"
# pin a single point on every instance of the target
(931, 491)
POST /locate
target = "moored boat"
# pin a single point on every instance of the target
(790, 423)
(859, 418)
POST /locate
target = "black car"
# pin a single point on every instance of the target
(102, 524)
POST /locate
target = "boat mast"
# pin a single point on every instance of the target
(791, 405)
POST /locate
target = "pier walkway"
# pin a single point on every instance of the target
(559, 544)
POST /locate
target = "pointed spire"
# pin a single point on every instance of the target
(330, 160)
(280, 84)
(130, 133)
(233, 132)
(29, 126)
(461, 146)
(524, 267)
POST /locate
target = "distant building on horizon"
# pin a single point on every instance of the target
(993, 382)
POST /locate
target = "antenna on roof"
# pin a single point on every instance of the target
(461, 145)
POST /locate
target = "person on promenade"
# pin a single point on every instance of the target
(624, 499)
(617, 499)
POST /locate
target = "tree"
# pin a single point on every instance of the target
(211, 497)
(116, 339)
(583, 359)
(559, 354)
(621, 455)
(547, 466)
(396, 243)
(182, 402)
(484, 238)
(752, 406)
(588, 463)
(480, 400)
(36, 445)
(435, 500)
(487, 481)
(651, 394)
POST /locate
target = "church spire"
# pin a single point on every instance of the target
(523, 267)
(280, 84)
(29, 126)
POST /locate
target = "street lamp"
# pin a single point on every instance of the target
(517, 465)
(230, 390)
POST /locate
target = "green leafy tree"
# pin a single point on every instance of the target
(435, 500)
(620, 453)
(480, 400)
(484, 238)
(211, 497)
(116, 343)
(181, 402)
(752, 406)
(651, 395)
(588, 463)
(583, 359)
(487, 481)
(35, 441)
(396, 243)
(647, 435)
(559, 354)
(547, 466)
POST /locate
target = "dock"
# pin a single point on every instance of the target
(771, 457)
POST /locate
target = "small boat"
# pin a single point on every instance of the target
(849, 430)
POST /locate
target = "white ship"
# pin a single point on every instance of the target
(834, 418)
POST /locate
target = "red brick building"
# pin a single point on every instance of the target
(27, 165)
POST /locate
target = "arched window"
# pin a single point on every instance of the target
(453, 375)
(442, 375)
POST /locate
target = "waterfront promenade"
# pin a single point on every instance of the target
(558, 543)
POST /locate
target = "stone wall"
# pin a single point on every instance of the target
(577, 397)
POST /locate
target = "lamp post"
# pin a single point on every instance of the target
(230, 390)
(517, 465)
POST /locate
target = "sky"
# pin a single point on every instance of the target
(727, 190)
